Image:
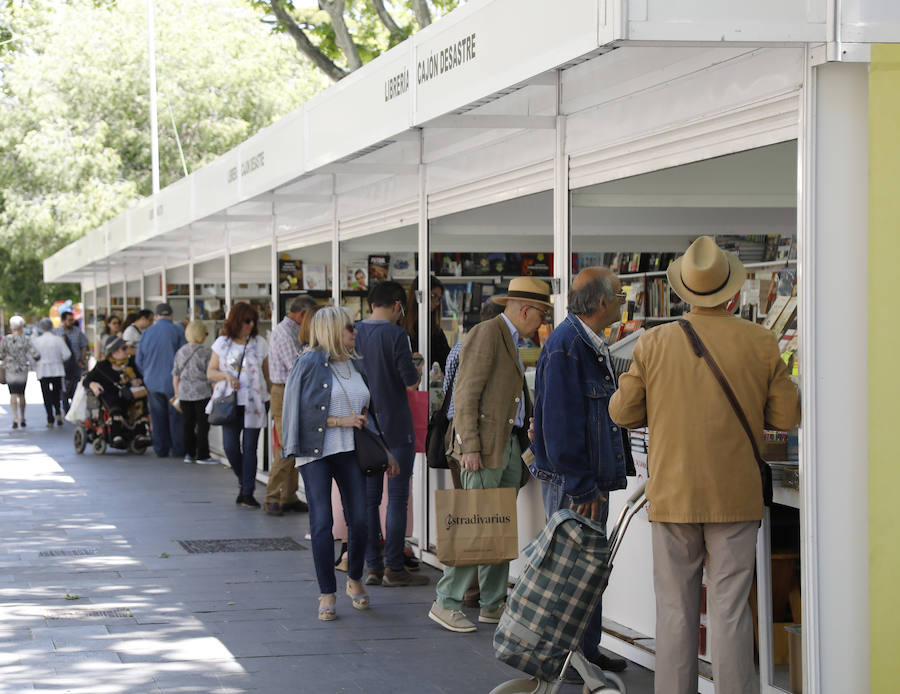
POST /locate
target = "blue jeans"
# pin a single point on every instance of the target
(241, 451)
(317, 476)
(395, 519)
(556, 499)
(166, 424)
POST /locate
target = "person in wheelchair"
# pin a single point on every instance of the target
(117, 382)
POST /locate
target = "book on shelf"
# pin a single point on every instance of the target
(775, 311)
(403, 267)
(315, 276)
(537, 264)
(379, 268)
(786, 316)
(355, 273)
(290, 274)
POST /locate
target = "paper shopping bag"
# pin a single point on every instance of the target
(476, 526)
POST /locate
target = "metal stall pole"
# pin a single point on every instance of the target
(421, 507)
(562, 235)
(335, 244)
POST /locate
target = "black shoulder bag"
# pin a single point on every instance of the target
(372, 453)
(435, 446)
(765, 472)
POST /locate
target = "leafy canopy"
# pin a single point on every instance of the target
(75, 113)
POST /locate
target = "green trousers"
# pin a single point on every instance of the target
(492, 578)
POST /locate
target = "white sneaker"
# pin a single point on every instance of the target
(207, 461)
(451, 620)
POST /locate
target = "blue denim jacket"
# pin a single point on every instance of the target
(307, 396)
(576, 444)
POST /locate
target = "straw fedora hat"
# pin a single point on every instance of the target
(528, 289)
(706, 275)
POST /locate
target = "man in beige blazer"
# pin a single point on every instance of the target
(705, 489)
(488, 435)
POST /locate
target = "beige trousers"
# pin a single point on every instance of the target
(679, 550)
(283, 476)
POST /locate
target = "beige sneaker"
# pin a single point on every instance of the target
(451, 620)
(491, 616)
(393, 579)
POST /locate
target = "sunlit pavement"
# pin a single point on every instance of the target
(97, 595)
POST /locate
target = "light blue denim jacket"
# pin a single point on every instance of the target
(307, 396)
(576, 444)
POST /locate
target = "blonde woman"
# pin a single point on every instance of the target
(193, 390)
(327, 396)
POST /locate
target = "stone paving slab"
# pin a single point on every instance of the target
(224, 623)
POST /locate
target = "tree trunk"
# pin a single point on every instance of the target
(304, 45)
(342, 37)
(388, 21)
(423, 14)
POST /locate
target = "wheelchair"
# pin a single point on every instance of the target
(100, 431)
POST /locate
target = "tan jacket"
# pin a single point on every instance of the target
(702, 468)
(489, 385)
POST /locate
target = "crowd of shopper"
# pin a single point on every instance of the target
(333, 384)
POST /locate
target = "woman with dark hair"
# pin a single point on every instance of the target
(135, 325)
(440, 348)
(112, 327)
(304, 336)
(238, 365)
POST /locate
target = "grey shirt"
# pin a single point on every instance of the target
(190, 367)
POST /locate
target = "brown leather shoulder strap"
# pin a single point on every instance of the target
(701, 351)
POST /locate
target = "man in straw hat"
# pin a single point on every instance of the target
(705, 489)
(492, 408)
(580, 454)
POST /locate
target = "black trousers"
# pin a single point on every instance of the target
(51, 389)
(73, 376)
(195, 428)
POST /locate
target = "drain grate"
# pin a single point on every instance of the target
(112, 613)
(79, 552)
(253, 544)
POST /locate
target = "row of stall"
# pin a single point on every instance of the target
(609, 133)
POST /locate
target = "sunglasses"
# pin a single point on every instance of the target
(622, 296)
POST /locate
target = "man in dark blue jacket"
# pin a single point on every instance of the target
(579, 452)
(155, 358)
(388, 359)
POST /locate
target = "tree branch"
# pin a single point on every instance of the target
(388, 21)
(342, 37)
(423, 14)
(304, 45)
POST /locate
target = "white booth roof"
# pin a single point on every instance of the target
(353, 153)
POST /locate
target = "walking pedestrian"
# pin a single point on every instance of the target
(326, 397)
(492, 407)
(384, 346)
(155, 359)
(51, 370)
(284, 346)
(238, 364)
(78, 345)
(18, 355)
(705, 488)
(193, 390)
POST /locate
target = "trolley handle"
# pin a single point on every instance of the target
(634, 504)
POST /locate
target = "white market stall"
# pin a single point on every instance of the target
(610, 127)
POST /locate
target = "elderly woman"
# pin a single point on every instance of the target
(50, 369)
(326, 397)
(117, 381)
(192, 389)
(18, 355)
(238, 365)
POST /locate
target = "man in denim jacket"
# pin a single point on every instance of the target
(579, 452)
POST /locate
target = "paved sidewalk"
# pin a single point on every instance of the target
(151, 617)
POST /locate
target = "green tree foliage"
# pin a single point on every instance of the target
(340, 36)
(75, 113)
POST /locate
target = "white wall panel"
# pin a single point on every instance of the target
(272, 156)
(725, 20)
(216, 185)
(740, 103)
(492, 55)
(876, 21)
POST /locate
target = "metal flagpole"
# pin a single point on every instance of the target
(154, 125)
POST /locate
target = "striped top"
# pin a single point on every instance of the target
(348, 390)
